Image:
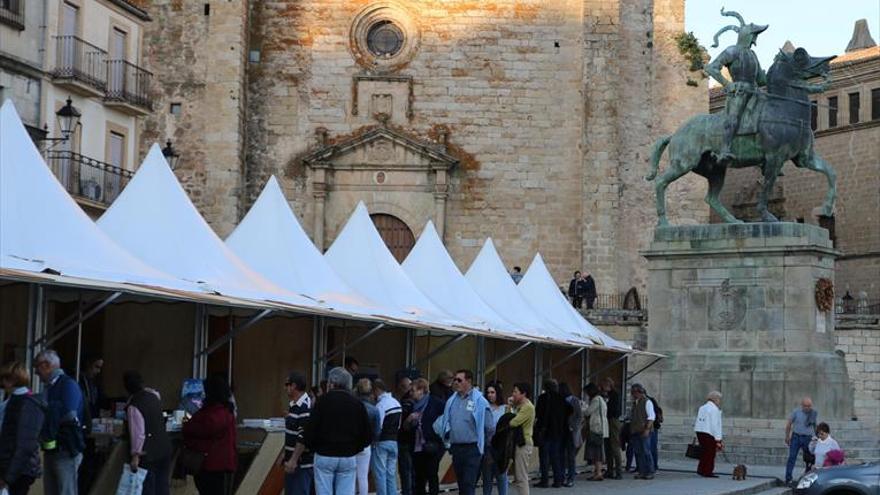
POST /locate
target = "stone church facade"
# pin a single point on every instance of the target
(529, 121)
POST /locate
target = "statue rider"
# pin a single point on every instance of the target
(746, 72)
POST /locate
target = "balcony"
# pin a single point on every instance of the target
(12, 13)
(80, 66)
(92, 182)
(128, 87)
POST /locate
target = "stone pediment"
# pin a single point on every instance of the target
(382, 148)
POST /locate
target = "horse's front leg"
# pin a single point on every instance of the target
(771, 172)
(813, 161)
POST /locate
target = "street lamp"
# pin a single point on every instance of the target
(171, 155)
(68, 118)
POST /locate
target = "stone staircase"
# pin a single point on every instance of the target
(761, 441)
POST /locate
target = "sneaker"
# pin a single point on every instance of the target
(568, 484)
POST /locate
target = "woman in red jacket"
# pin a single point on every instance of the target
(212, 432)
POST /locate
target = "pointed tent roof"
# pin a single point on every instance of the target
(431, 268)
(271, 240)
(539, 288)
(154, 219)
(360, 257)
(490, 280)
(43, 229)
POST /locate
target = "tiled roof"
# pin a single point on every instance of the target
(858, 55)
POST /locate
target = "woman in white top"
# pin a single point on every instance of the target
(597, 410)
(822, 444)
(708, 430)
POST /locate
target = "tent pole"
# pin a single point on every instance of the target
(346, 345)
(481, 362)
(79, 334)
(643, 368)
(78, 321)
(199, 332)
(410, 348)
(492, 367)
(229, 351)
(315, 345)
(235, 331)
(539, 364)
(608, 366)
(36, 328)
(446, 345)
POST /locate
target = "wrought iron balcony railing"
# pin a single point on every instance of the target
(81, 61)
(88, 178)
(12, 13)
(128, 83)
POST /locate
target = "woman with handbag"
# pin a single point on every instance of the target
(427, 446)
(597, 410)
(211, 433)
(708, 430)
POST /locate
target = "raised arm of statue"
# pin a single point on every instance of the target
(722, 60)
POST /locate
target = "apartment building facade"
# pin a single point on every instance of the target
(82, 59)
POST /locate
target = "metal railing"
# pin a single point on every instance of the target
(86, 177)
(80, 60)
(128, 83)
(12, 13)
(857, 306)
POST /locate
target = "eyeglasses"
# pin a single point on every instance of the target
(458, 380)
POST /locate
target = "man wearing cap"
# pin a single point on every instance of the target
(297, 478)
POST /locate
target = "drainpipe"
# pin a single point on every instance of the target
(44, 90)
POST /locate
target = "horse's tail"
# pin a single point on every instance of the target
(656, 152)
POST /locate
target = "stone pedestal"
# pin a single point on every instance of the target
(733, 306)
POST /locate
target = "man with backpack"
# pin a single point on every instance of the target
(62, 439)
(655, 432)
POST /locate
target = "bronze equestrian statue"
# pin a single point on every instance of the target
(770, 129)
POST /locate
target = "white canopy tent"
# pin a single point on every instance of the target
(541, 291)
(272, 242)
(360, 257)
(154, 219)
(431, 268)
(43, 230)
(490, 280)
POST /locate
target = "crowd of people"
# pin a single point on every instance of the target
(352, 426)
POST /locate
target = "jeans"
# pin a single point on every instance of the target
(362, 463)
(569, 453)
(798, 443)
(490, 473)
(426, 469)
(298, 482)
(642, 449)
(158, 480)
(384, 464)
(630, 454)
(60, 473)
(551, 453)
(405, 468)
(466, 459)
(334, 475)
(655, 438)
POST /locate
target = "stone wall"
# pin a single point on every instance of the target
(198, 61)
(858, 339)
(550, 108)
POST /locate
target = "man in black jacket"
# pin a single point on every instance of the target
(573, 292)
(337, 430)
(551, 413)
(589, 291)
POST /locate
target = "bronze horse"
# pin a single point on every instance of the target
(783, 133)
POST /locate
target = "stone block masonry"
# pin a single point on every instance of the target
(549, 106)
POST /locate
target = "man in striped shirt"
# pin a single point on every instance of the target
(384, 458)
(297, 459)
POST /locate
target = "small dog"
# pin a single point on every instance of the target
(739, 472)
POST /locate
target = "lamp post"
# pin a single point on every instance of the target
(171, 155)
(68, 118)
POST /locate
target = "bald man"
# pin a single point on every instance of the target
(799, 430)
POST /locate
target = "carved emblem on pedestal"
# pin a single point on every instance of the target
(728, 307)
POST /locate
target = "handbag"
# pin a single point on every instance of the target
(131, 483)
(192, 460)
(694, 449)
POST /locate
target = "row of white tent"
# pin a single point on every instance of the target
(152, 240)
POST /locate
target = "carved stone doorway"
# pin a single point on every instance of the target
(397, 236)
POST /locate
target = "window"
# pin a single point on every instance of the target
(814, 115)
(854, 107)
(116, 84)
(384, 39)
(176, 109)
(12, 13)
(117, 149)
(832, 111)
(875, 104)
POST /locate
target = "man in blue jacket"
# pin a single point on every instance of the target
(464, 427)
(62, 437)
